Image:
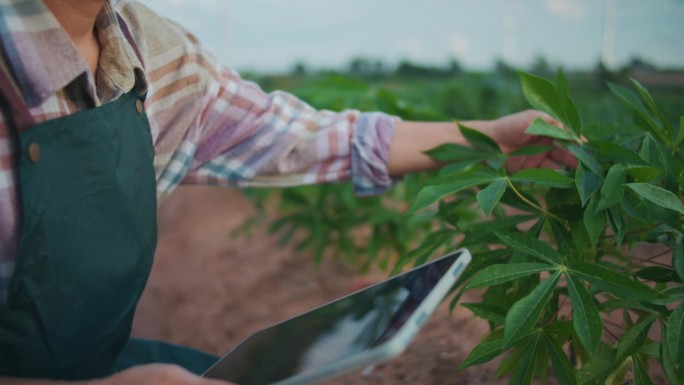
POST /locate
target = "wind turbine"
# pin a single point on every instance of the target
(608, 53)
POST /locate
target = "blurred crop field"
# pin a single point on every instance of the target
(225, 267)
(423, 93)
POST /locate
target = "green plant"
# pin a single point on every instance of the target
(562, 285)
(329, 219)
(570, 243)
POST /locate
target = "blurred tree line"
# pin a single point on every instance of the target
(450, 91)
(375, 69)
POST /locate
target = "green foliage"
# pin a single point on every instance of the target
(626, 192)
(563, 288)
(329, 219)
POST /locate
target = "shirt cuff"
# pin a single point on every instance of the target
(371, 139)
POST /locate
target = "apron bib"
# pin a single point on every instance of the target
(88, 234)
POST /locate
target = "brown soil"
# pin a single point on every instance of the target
(209, 290)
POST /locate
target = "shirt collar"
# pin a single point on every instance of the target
(44, 60)
(120, 67)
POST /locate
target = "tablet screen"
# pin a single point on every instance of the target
(332, 332)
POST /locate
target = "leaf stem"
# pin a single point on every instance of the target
(608, 321)
(530, 203)
(649, 259)
(605, 329)
(631, 232)
(555, 316)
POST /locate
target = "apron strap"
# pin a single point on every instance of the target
(17, 115)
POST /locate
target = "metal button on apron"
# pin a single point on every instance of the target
(34, 152)
(139, 106)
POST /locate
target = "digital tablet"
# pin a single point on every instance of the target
(364, 328)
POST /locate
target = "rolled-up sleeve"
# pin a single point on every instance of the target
(373, 133)
(250, 138)
(210, 126)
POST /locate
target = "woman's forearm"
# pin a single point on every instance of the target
(412, 139)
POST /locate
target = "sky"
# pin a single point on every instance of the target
(273, 35)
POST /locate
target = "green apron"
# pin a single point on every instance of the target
(88, 235)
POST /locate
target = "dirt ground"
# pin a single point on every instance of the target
(209, 290)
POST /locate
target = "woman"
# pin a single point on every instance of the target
(106, 108)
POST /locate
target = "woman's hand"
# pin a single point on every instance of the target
(156, 374)
(412, 139)
(509, 132)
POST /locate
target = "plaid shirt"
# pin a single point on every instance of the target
(208, 125)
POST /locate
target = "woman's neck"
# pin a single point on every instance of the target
(77, 18)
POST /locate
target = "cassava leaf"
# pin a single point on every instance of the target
(431, 194)
(525, 313)
(587, 183)
(541, 363)
(497, 162)
(541, 128)
(594, 222)
(613, 188)
(483, 231)
(680, 136)
(587, 159)
(670, 296)
(585, 316)
(484, 351)
(498, 274)
(543, 176)
(643, 174)
(478, 139)
(607, 280)
(490, 196)
(657, 274)
(675, 334)
(650, 152)
(512, 361)
(524, 373)
(457, 166)
(598, 368)
(631, 341)
(615, 152)
(529, 245)
(678, 256)
(673, 165)
(666, 359)
(427, 248)
(571, 117)
(646, 96)
(451, 152)
(564, 241)
(636, 207)
(635, 104)
(530, 150)
(562, 367)
(541, 94)
(659, 196)
(617, 223)
(490, 312)
(641, 376)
